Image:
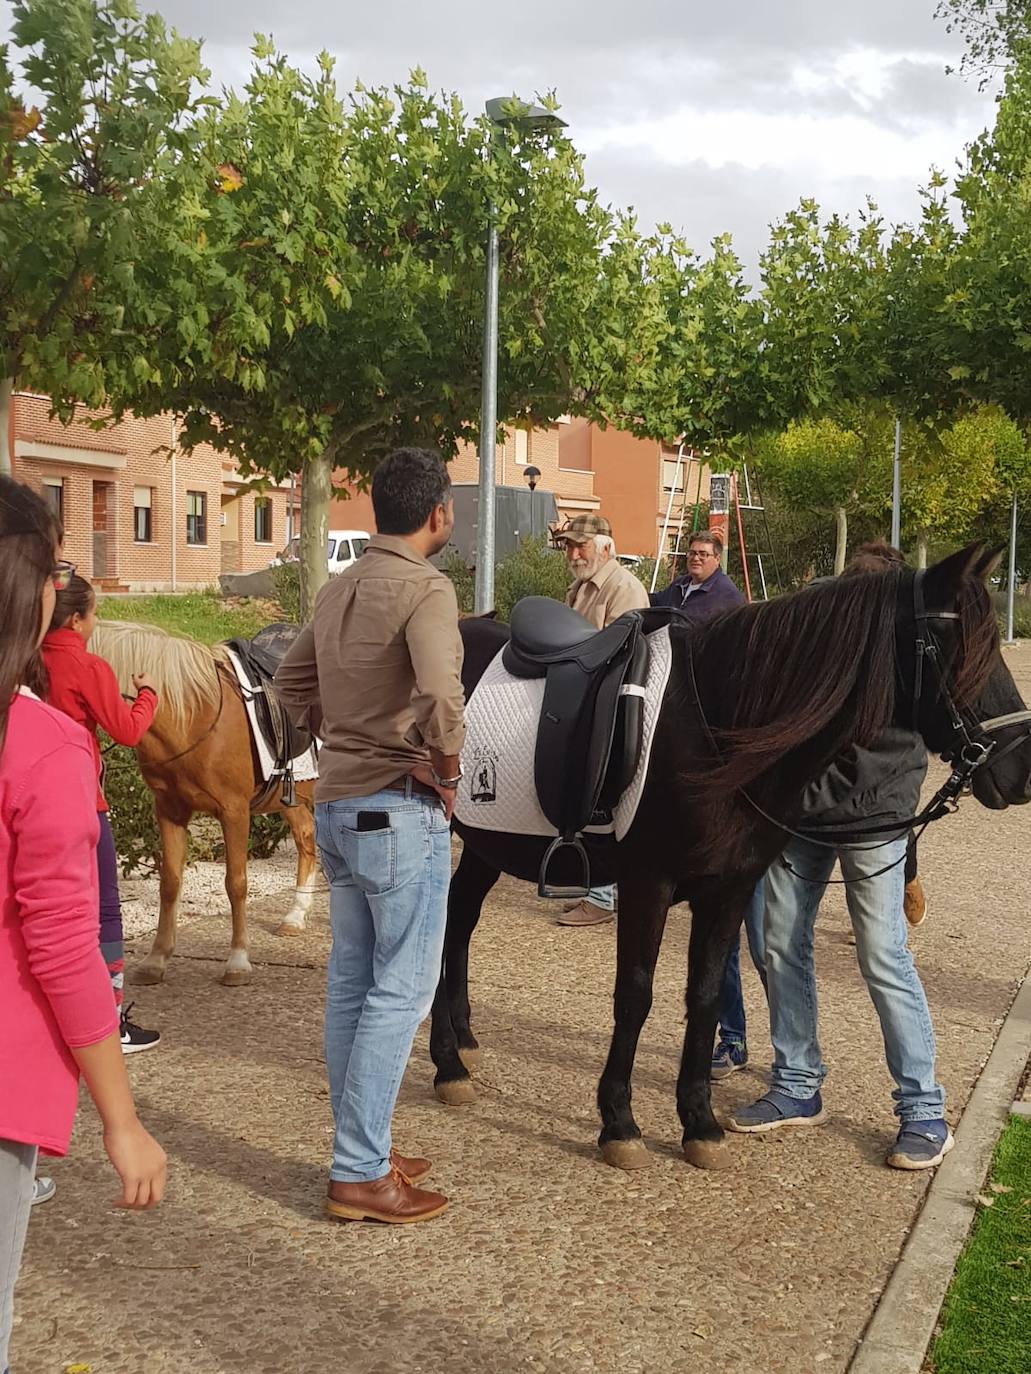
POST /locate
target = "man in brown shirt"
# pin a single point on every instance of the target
(602, 591)
(377, 675)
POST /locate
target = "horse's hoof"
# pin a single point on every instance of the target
(147, 975)
(458, 1093)
(235, 978)
(471, 1058)
(287, 928)
(707, 1154)
(625, 1154)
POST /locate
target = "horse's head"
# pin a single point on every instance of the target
(963, 699)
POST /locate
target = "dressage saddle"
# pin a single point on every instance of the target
(260, 657)
(591, 726)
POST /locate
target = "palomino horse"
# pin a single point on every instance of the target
(199, 756)
(759, 702)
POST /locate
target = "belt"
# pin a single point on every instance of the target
(419, 789)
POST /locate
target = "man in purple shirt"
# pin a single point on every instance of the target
(706, 590)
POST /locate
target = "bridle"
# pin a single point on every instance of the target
(970, 747)
(973, 737)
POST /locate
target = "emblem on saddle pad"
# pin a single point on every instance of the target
(483, 785)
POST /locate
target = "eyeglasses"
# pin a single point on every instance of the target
(701, 553)
(61, 575)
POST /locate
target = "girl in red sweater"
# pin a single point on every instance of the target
(57, 1017)
(84, 687)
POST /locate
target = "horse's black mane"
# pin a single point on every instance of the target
(820, 663)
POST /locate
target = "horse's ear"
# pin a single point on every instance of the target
(944, 578)
(990, 559)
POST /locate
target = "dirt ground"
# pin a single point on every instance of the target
(547, 1260)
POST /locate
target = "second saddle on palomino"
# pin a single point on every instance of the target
(259, 658)
(591, 726)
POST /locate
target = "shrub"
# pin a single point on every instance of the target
(463, 581)
(286, 578)
(533, 569)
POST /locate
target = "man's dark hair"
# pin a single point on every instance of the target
(709, 537)
(405, 488)
(876, 556)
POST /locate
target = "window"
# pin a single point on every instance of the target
(359, 546)
(196, 517)
(53, 495)
(331, 550)
(142, 525)
(263, 520)
(671, 476)
(521, 447)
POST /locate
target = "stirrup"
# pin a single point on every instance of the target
(544, 888)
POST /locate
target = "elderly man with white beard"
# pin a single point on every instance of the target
(602, 591)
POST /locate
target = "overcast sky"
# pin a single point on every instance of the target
(717, 115)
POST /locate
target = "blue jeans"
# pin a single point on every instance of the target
(388, 908)
(604, 897)
(732, 1004)
(875, 907)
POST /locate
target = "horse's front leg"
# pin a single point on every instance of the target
(236, 827)
(453, 1047)
(172, 829)
(715, 926)
(643, 904)
(302, 828)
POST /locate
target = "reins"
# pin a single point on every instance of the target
(172, 758)
(973, 751)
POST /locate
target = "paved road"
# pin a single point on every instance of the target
(547, 1260)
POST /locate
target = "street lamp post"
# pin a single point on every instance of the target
(502, 112)
(533, 476)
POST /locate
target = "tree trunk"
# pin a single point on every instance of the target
(841, 544)
(921, 551)
(6, 391)
(316, 491)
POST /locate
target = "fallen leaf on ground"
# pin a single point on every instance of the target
(985, 1201)
(1001, 1188)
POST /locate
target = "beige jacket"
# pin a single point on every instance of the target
(378, 671)
(610, 593)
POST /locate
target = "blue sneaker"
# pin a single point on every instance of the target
(920, 1145)
(776, 1109)
(727, 1058)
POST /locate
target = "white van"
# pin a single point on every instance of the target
(343, 547)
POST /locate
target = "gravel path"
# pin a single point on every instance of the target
(547, 1260)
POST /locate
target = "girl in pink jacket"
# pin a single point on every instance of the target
(57, 1014)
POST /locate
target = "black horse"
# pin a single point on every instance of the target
(759, 702)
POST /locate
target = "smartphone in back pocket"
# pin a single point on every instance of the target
(373, 820)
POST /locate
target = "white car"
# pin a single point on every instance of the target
(342, 548)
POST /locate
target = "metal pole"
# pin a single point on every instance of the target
(896, 490)
(484, 600)
(1011, 584)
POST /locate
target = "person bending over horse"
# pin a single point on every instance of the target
(377, 675)
(731, 1052)
(602, 591)
(876, 786)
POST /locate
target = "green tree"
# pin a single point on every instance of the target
(332, 291)
(118, 94)
(995, 31)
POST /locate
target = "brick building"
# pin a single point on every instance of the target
(573, 486)
(139, 513)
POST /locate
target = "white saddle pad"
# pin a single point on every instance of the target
(498, 791)
(306, 765)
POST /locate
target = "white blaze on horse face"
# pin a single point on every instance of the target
(304, 895)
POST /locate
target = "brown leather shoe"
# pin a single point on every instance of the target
(390, 1199)
(585, 913)
(415, 1169)
(914, 903)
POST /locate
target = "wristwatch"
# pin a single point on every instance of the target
(448, 784)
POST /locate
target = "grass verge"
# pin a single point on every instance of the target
(202, 615)
(985, 1326)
